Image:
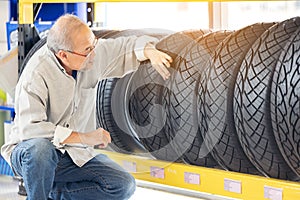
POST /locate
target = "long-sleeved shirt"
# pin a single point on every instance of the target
(51, 104)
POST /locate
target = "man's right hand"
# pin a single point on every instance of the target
(159, 60)
(98, 137)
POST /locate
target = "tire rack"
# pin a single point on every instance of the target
(206, 180)
(200, 179)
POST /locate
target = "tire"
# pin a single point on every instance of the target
(149, 119)
(111, 94)
(181, 103)
(285, 103)
(221, 134)
(36, 47)
(173, 44)
(252, 101)
(147, 102)
(124, 139)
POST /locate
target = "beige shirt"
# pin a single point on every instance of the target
(51, 104)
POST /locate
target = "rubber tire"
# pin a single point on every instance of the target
(36, 47)
(124, 139)
(174, 43)
(148, 87)
(252, 101)
(221, 133)
(182, 104)
(149, 119)
(109, 93)
(285, 103)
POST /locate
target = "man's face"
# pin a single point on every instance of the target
(81, 56)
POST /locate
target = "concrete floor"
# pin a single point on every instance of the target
(9, 189)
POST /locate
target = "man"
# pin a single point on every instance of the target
(52, 140)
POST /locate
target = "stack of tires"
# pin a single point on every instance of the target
(232, 100)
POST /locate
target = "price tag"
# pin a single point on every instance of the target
(192, 178)
(233, 185)
(272, 193)
(129, 166)
(157, 172)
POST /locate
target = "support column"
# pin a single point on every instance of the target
(27, 33)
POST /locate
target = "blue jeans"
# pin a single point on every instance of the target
(47, 173)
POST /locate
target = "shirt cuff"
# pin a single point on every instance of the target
(140, 46)
(60, 135)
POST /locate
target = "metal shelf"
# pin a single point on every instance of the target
(207, 180)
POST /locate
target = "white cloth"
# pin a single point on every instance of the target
(49, 103)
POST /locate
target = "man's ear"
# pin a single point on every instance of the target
(62, 56)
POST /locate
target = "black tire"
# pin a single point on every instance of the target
(221, 134)
(36, 47)
(124, 139)
(147, 89)
(111, 95)
(149, 119)
(285, 103)
(174, 43)
(252, 101)
(182, 104)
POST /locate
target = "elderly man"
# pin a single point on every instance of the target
(52, 139)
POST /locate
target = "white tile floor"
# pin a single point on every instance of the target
(9, 188)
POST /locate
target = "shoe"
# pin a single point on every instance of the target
(22, 190)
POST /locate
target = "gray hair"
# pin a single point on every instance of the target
(62, 30)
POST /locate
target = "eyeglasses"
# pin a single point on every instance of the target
(89, 49)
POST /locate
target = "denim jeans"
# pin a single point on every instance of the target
(47, 173)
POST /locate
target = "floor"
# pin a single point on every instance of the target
(9, 188)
